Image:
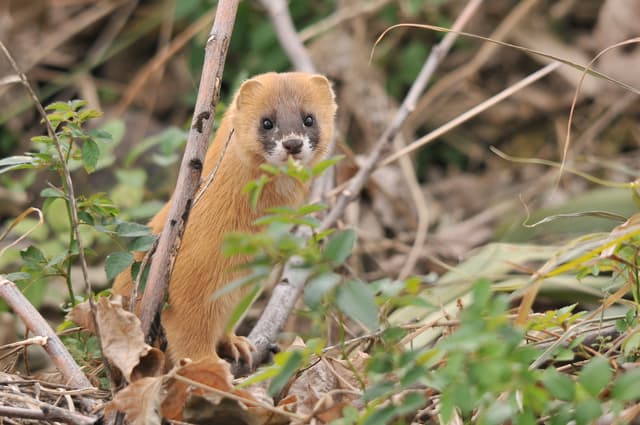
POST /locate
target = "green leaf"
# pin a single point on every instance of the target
(318, 286)
(558, 384)
(16, 162)
(101, 136)
(311, 208)
(116, 263)
(32, 256)
(77, 104)
(58, 106)
(627, 386)
(355, 299)
(132, 230)
(90, 155)
(293, 362)
(51, 192)
(143, 243)
(14, 277)
(595, 375)
(339, 246)
(244, 304)
(323, 165)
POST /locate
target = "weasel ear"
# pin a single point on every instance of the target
(322, 82)
(248, 90)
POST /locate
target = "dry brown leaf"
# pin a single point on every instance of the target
(213, 373)
(122, 338)
(357, 361)
(140, 401)
(80, 314)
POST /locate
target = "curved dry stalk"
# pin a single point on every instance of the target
(16, 221)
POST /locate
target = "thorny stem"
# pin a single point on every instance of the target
(68, 184)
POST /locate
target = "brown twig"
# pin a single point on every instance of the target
(279, 12)
(47, 413)
(192, 162)
(37, 325)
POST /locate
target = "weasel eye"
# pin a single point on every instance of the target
(267, 124)
(308, 121)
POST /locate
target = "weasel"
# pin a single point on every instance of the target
(273, 116)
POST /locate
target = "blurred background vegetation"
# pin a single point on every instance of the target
(139, 63)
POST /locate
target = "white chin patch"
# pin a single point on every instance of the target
(279, 155)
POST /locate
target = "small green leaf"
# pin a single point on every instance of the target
(558, 384)
(101, 136)
(32, 256)
(339, 246)
(116, 263)
(77, 104)
(16, 162)
(90, 155)
(58, 106)
(356, 301)
(318, 286)
(244, 304)
(17, 276)
(311, 208)
(51, 192)
(627, 386)
(595, 376)
(132, 230)
(143, 243)
(323, 165)
(293, 362)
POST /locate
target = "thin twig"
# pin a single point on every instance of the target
(47, 413)
(213, 173)
(192, 162)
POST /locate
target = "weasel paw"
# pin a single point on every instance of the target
(237, 347)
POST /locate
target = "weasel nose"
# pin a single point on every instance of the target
(292, 146)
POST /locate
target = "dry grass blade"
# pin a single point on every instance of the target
(585, 69)
(18, 220)
(472, 112)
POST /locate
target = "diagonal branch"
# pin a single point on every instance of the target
(38, 326)
(192, 162)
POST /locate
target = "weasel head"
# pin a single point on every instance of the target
(282, 115)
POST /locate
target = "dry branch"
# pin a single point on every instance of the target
(38, 326)
(192, 162)
(47, 413)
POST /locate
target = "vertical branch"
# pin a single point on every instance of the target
(38, 326)
(192, 162)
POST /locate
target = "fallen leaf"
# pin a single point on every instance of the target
(122, 338)
(80, 314)
(140, 401)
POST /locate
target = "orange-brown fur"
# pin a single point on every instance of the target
(194, 322)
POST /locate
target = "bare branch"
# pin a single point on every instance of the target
(38, 326)
(192, 162)
(279, 12)
(47, 413)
